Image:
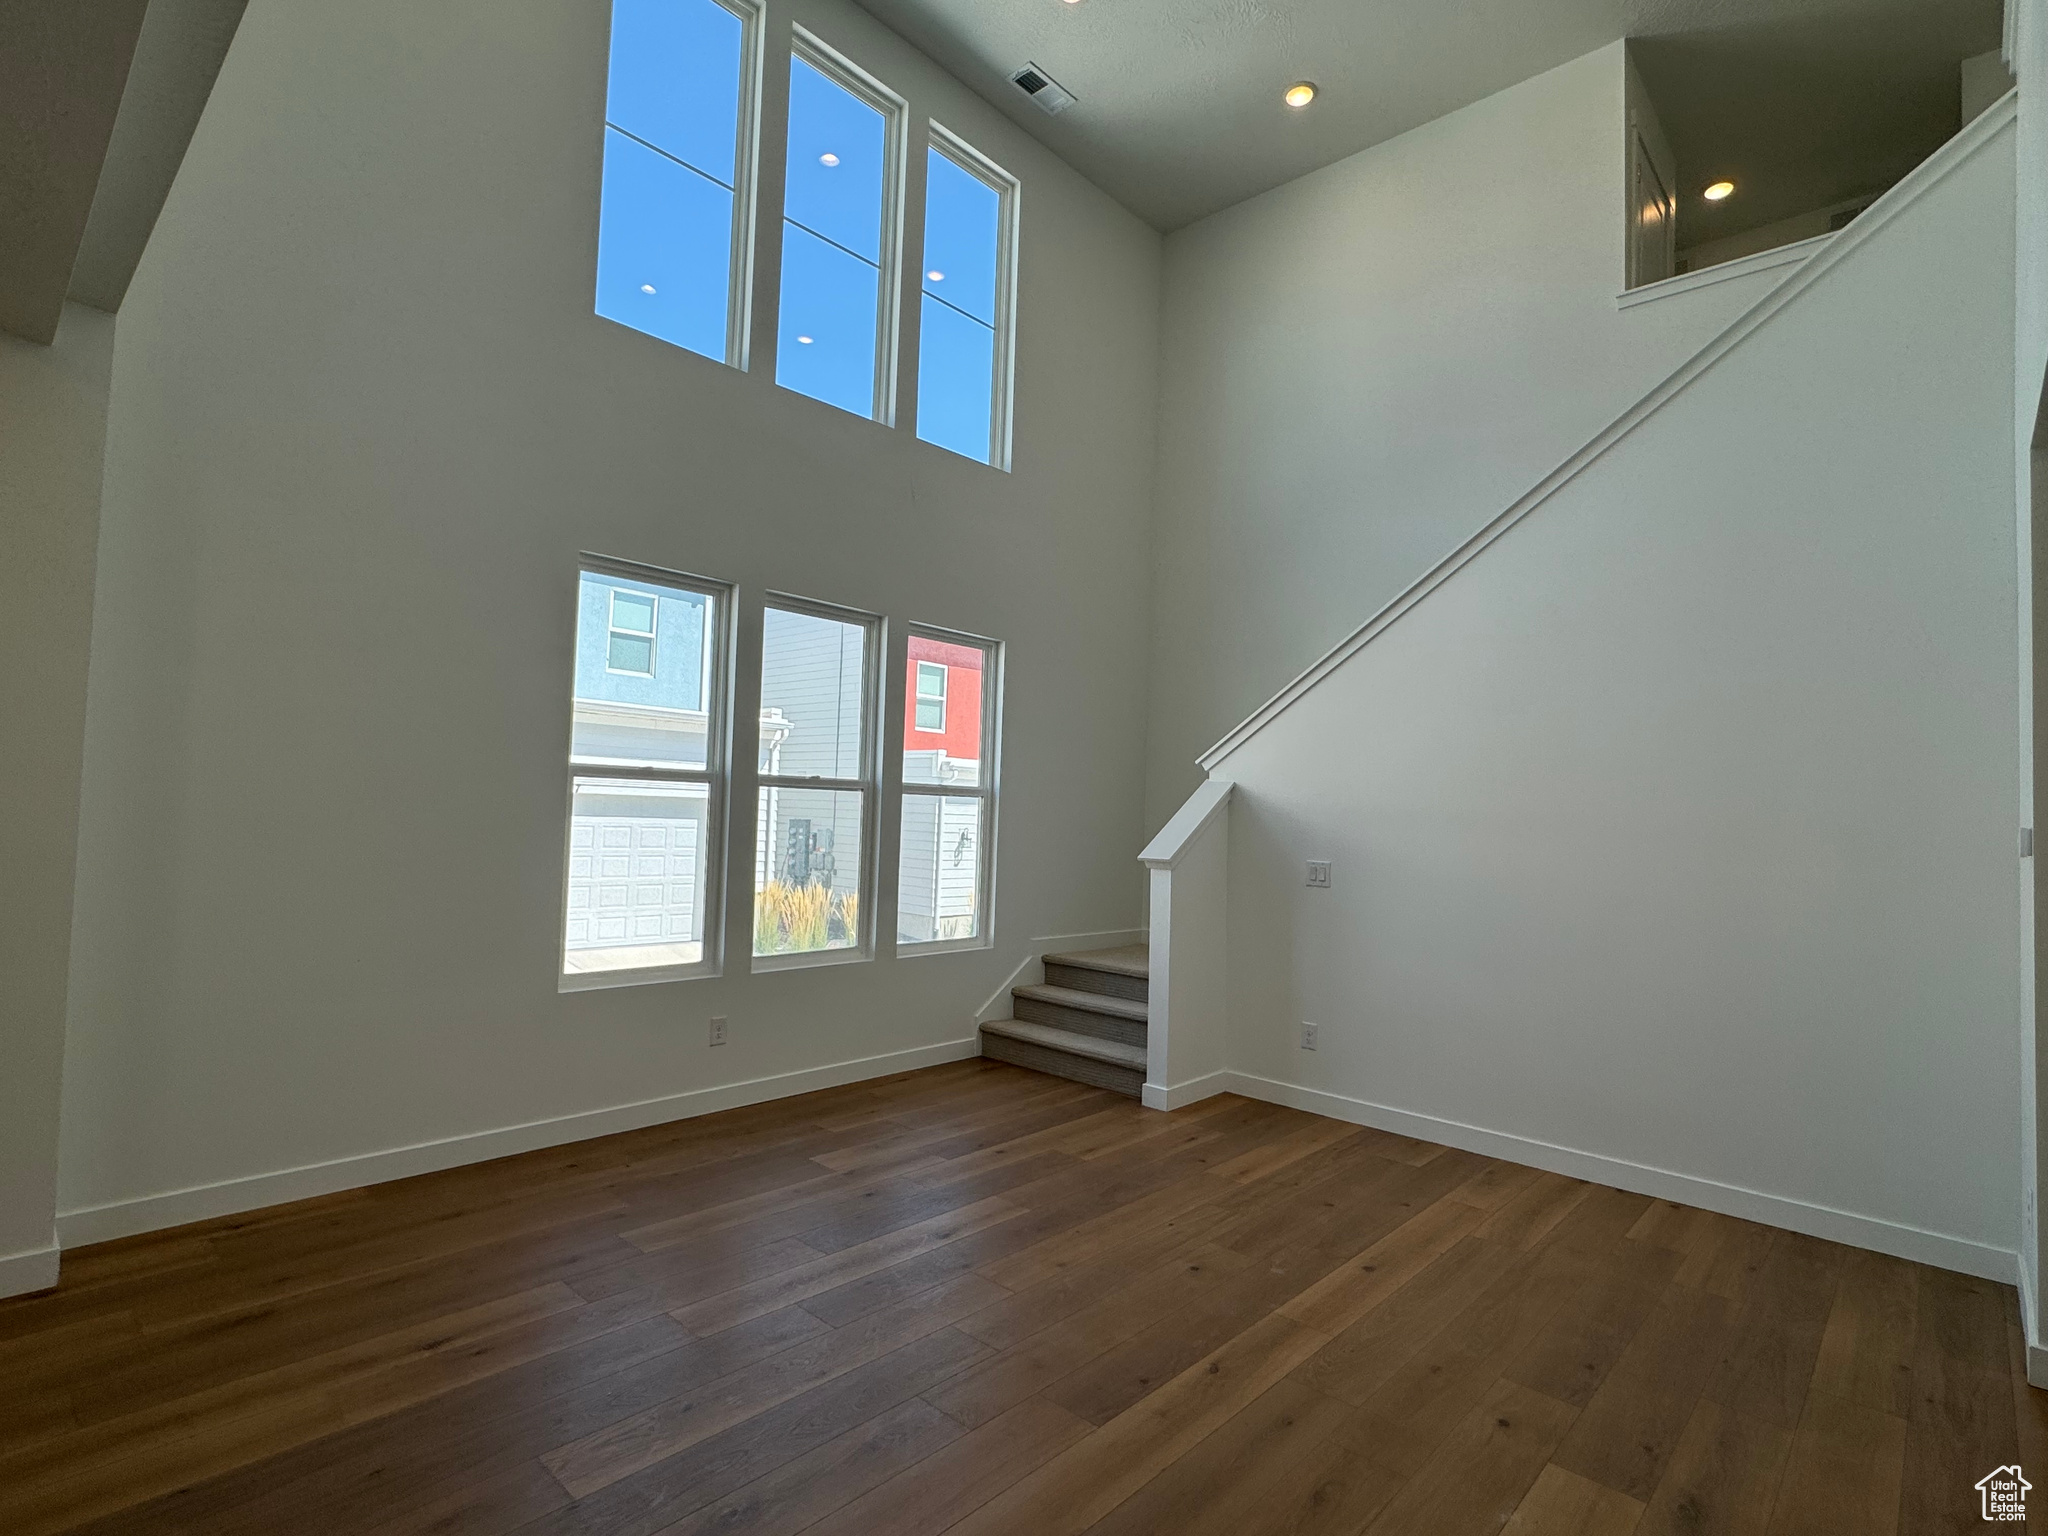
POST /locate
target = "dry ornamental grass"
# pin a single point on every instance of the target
(790, 919)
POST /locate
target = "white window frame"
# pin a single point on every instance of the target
(722, 599)
(739, 296)
(986, 790)
(867, 784)
(1010, 192)
(652, 634)
(920, 697)
(842, 71)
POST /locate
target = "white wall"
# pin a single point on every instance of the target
(53, 411)
(2027, 40)
(1673, 836)
(1364, 366)
(363, 422)
(1768, 237)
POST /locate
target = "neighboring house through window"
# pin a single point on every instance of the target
(945, 855)
(629, 646)
(815, 809)
(930, 714)
(647, 796)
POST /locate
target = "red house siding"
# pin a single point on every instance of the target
(962, 736)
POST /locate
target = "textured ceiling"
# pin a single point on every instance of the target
(1180, 112)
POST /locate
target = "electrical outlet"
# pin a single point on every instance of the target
(1308, 1035)
(718, 1029)
(1319, 874)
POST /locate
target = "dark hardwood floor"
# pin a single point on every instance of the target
(979, 1300)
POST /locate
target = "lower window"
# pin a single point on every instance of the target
(946, 858)
(812, 862)
(647, 759)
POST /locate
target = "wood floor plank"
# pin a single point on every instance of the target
(1528, 1217)
(1030, 1311)
(1107, 1386)
(1233, 1320)
(1631, 1426)
(952, 1483)
(1259, 1162)
(130, 1459)
(1087, 1240)
(1081, 1485)
(745, 1302)
(1332, 1487)
(1722, 1480)
(1866, 1351)
(601, 1458)
(1225, 1480)
(1962, 1424)
(502, 1498)
(799, 1493)
(1596, 1323)
(469, 1436)
(1368, 1278)
(1052, 1356)
(1483, 1469)
(678, 1485)
(1430, 1394)
(1768, 1365)
(1562, 1503)
(1844, 1475)
(1360, 1359)
(1494, 1186)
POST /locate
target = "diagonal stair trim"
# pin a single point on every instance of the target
(1917, 183)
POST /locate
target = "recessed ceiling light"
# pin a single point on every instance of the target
(1718, 190)
(803, 341)
(647, 287)
(936, 275)
(828, 158)
(1301, 93)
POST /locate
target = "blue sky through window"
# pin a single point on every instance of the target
(957, 337)
(831, 242)
(664, 250)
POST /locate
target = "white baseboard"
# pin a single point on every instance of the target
(1193, 1091)
(1028, 969)
(1923, 1247)
(23, 1273)
(151, 1213)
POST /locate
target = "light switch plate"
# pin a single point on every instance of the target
(1319, 874)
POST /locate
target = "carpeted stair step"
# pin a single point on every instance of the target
(1110, 1064)
(1085, 1013)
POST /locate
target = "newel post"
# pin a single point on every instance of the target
(1189, 870)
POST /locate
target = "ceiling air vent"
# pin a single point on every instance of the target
(1043, 89)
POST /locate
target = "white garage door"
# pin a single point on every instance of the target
(632, 880)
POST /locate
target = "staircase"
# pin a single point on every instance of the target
(1087, 1020)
